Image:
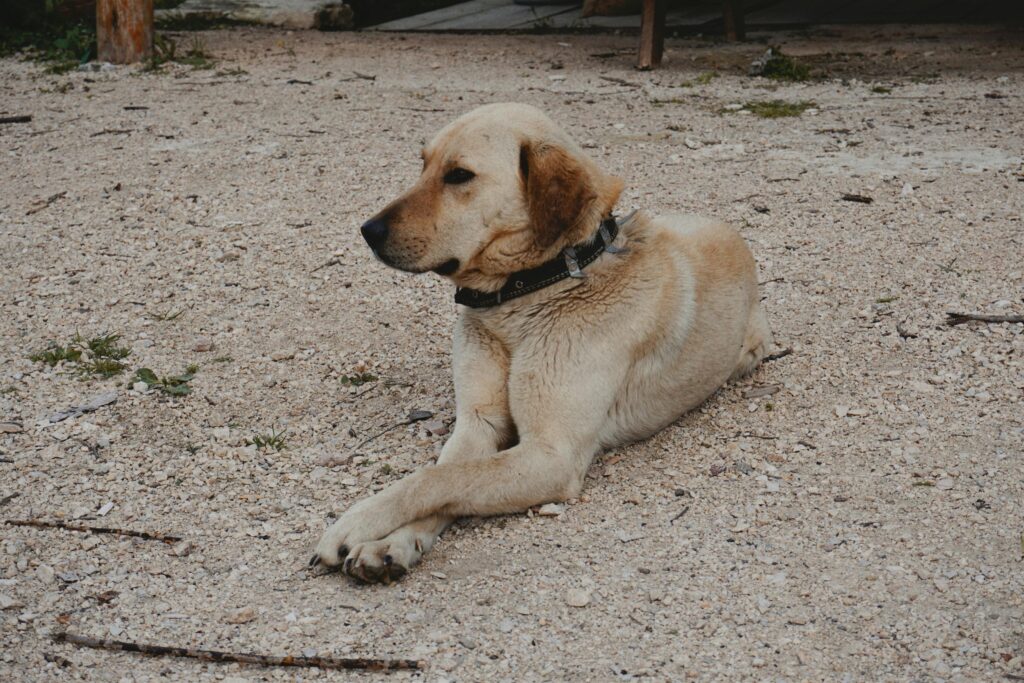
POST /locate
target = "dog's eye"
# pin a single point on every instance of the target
(457, 176)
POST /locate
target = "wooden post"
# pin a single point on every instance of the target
(124, 30)
(735, 28)
(652, 34)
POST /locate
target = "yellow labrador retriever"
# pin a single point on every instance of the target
(577, 332)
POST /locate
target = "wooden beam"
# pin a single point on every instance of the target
(124, 30)
(652, 34)
(735, 27)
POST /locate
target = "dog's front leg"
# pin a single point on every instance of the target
(559, 415)
(480, 365)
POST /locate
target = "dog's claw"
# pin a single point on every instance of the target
(314, 561)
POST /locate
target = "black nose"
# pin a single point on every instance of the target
(375, 231)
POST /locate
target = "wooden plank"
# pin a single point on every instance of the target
(428, 19)
(652, 34)
(683, 17)
(504, 17)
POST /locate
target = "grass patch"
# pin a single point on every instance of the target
(702, 79)
(173, 385)
(886, 299)
(61, 47)
(781, 67)
(358, 379)
(223, 359)
(165, 51)
(774, 109)
(100, 356)
(274, 439)
(881, 89)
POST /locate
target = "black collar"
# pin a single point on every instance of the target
(570, 262)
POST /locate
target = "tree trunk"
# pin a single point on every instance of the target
(124, 30)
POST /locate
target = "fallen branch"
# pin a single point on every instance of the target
(954, 319)
(44, 524)
(777, 355)
(9, 497)
(112, 131)
(40, 205)
(366, 663)
(621, 81)
(22, 118)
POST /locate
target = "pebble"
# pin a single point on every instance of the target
(577, 597)
(45, 573)
(203, 344)
(944, 484)
(283, 354)
(7, 602)
(10, 428)
(506, 626)
(182, 549)
(436, 427)
(551, 510)
(241, 616)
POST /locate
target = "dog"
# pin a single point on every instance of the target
(577, 332)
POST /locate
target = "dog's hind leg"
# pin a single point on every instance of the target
(756, 343)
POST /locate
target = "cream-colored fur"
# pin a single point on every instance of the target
(544, 382)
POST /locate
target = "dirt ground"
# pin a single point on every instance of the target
(852, 512)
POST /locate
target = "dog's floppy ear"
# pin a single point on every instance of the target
(563, 196)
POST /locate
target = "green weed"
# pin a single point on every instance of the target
(100, 356)
(775, 109)
(781, 67)
(358, 379)
(173, 385)
(274, 439)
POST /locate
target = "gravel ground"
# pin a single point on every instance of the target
(852, 512)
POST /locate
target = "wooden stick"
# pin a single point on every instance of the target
(954, 319)
(367, 663)
(45, 203)
(44, 524)
(22, 118)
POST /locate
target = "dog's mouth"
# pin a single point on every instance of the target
(448, 267)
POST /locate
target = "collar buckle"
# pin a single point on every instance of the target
(607, 238)
(572, 263)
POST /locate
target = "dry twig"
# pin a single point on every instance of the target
(859, 198)
(22, 118)
(777, 355)
(954, 319)
(44, 524)
(366, 663)
(40, 205)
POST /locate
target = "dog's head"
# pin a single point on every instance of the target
(502, 189)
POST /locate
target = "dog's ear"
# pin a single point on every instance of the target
(564, 197)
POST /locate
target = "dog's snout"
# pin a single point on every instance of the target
(375, 232)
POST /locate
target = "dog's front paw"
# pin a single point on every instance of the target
(364, 522)
(383, 561)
